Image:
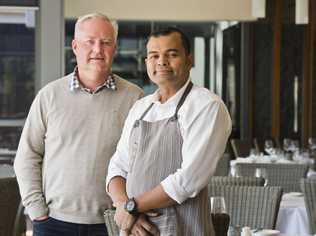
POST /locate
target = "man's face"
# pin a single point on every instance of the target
(94, 46)
(167, 62)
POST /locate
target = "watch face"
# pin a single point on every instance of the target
(130, 205)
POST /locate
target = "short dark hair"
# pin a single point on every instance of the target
(169, 30)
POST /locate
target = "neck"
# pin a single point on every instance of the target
(167, 92)
(92, 80)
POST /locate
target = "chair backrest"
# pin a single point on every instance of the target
(222, 168)
(256, 207)
(236, 181)
(241, 147)
(113, 229)
(284, 175)
(309, 189)
(9, 203)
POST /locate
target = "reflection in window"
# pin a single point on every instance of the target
(9, 138)
(16, 70)
(16, 81)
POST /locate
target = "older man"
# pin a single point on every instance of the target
(71, 133)
(169, 148)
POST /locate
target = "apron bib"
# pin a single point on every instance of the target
(155, 153)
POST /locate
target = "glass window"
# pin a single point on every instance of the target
(16, 70)
(17, 65)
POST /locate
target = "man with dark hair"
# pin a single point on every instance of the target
(169, 147)
(70, 134)
(167, 31)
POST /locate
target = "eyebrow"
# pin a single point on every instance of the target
(92, 37)
(169, 50)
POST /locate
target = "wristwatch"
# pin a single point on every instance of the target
(131, 207)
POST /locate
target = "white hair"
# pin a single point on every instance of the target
(101, 16)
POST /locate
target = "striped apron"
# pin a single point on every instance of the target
(155, 153)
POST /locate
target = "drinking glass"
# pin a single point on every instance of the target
(312, 143)
(218, 205)
(295, 146)
(262, 173)
(220, 218)
(253, 152)
(269, 146)
(287, 144)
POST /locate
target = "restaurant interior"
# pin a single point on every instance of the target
(259, 56)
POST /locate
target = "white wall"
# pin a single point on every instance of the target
(197, 72)
(170, 10)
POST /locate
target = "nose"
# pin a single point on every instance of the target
(162, 61)
(97, 47)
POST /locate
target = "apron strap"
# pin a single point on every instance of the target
(146, 111)
(143, 115)
(182, 99)
(175, 116)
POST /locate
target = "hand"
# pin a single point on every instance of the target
(123, 219)
(41, 218)
(142, 227)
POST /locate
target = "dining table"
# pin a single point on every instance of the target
(292, 219)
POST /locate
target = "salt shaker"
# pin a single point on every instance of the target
(246, 231)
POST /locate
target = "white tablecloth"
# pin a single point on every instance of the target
(292, 218)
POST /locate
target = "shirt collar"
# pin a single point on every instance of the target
(75, 84)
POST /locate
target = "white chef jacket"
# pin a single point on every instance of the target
(205, 126)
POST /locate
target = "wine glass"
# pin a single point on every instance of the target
(253, 152)
(312, 143)
(295, 146)
(220, 218)
(269, 146)
(218, 205)
(287, 144)
(262, 173)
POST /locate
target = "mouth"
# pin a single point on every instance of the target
(97, 59)
(163, 71)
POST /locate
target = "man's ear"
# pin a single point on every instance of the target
(74, 45)
(190, 60)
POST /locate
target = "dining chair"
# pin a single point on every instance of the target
(236, 181)
(113, 229)
(253, 206)
(309, 189)
(241, 147)
(222, 168)
(9, 205)
(284, 175)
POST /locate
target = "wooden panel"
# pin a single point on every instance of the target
(276, 65)
(312, 107)
(309, 82)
